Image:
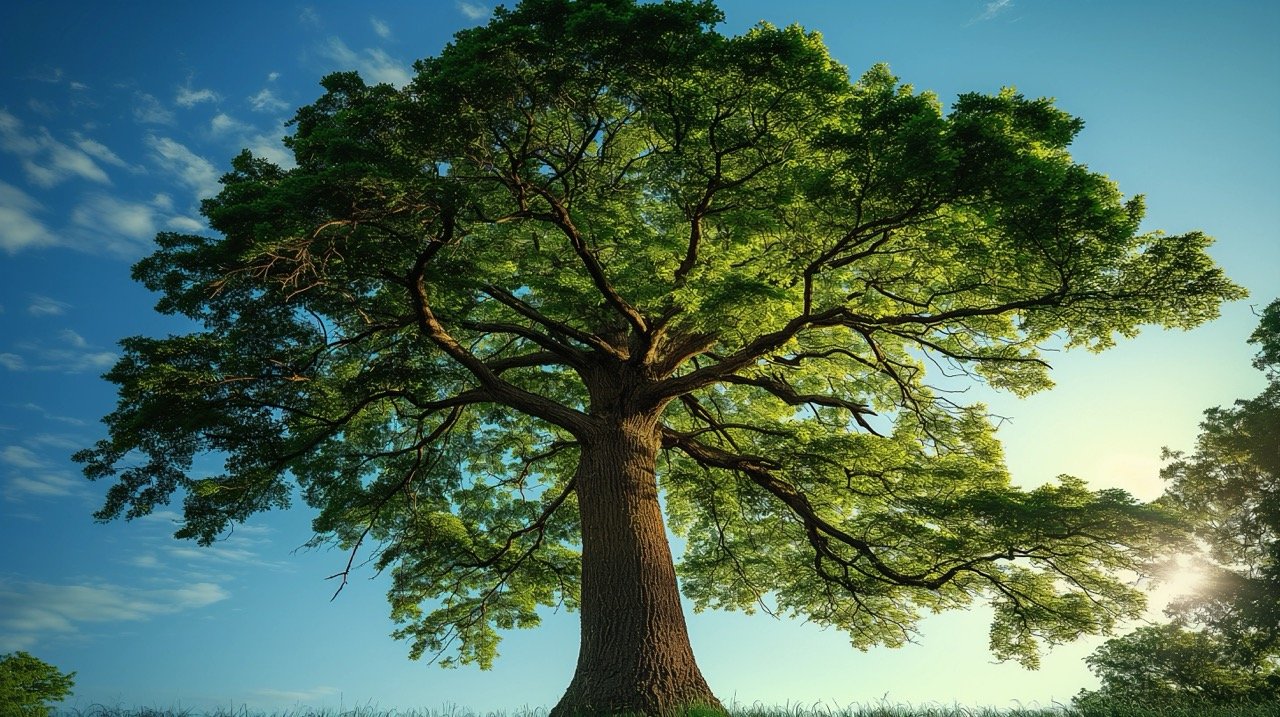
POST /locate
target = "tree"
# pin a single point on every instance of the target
(595, 253)
(27, 683)
(1224, 640)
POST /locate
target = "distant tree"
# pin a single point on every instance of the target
(1224, 641)
(27, 683)
(596, 252)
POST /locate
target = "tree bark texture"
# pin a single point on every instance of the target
(635, 655)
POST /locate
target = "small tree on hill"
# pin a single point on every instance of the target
(27, 684)
(597, 252)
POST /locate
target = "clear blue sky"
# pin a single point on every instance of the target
(116, 117)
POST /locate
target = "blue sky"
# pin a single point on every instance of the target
(116, 118)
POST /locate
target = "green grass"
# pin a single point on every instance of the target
(1116, 709)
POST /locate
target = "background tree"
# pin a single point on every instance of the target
(1224, 640)
(596, 252)
(27, 684)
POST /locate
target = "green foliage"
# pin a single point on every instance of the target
(27, 684)
(1230, 489)
(600, 211)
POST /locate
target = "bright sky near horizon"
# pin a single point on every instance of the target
(115, 118)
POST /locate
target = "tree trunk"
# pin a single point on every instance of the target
(635, 655)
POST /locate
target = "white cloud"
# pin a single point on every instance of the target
(42, 484)
(146, 560)
(52, 75)
(223, 123)
(993, 8)
(373, 64)
(53, 440)
(189, 97)
(270, 148)
(19, 229)
(192, 169)
(307, 16)
(473, 11)
(185, 224)
(273, 76)
(67, 361)
(266, 101)
(380, 27)
(148, 110)
(98, 150)
(34, 477)
(20, 457)
(46, 161)
(31, 611)
(48, 416)
(78, 86)
(72, 355)
(303, 696)
(44, 306)
(112, 216)
(163, 202)
(71, 337)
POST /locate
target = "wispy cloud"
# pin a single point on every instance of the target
(223, 123)
(148, 110)
(372, 63)
(19, 228)
(31, 476)
(98, 150)
(70, 354)
(116, 218)
(380, 27)
(473, 11)
(45, 414)
(992, 9)
(190, 168)
(41, 484)
(189, 97)
(32, 611)
(19, 457)
(304, 696)
(266, 101)
(308, 16)
(44, 306)
(46, 161)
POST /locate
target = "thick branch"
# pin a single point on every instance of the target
(501, 391)
(821, 532)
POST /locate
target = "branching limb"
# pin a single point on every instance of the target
(501, 391)
(784, 392)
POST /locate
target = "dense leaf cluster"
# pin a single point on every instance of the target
(28, 684)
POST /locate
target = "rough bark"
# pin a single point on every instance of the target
(635, 655)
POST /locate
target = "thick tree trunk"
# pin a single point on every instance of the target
(635, 655)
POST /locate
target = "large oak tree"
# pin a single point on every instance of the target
(597, 253)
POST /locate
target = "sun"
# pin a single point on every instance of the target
(1184, 574)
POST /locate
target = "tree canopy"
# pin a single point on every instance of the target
(596, 251)
(28, 683)
(1223, 643)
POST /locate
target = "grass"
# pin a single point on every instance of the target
(1115, 709)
